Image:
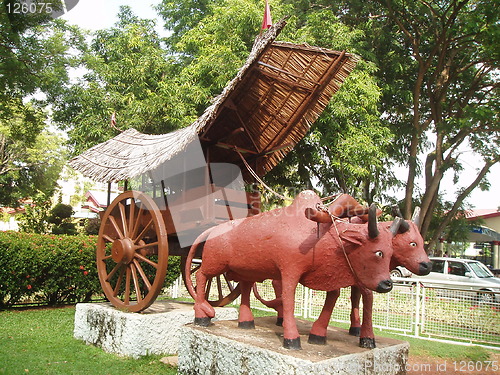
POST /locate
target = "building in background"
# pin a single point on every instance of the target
(485, 236)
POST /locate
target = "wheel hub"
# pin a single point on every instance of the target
(122, 251)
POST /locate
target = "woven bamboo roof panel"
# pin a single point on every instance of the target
(263, 112)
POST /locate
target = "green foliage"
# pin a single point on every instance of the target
(128, 73)
(35, 54)
(347, 149)
(35, 217)
(91, 226)
(60, 216)
(47, 268)
(52, 269)
(30, 157)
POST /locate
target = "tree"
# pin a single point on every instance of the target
(128, 73)
(36, 213)
(346, 149)
(60, 217)
(30, 157)
(438, 69)
(34, 57)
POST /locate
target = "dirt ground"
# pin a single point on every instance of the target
(436, 366)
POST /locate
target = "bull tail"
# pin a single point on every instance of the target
(186, 267)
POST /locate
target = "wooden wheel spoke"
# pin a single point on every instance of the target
(123, 217)
(219, 287)
(108, 238)
(136, 221)
(144, 231)
(228, 282)
(135, 279)
(131, 221)
(146, 245)
(116, 289)
(115, 226)
(127, 287)
(113, 271)
(193, 270)
(148, 261)
(142, 273)
(209, 286)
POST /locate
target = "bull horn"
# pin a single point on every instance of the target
(318, 216)
(416, 216)
(373, 231)
(404, 226)
(396, 225)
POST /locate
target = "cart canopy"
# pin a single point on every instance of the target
(262, 113)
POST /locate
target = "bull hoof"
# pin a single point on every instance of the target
(292, 344)
(316, 340)
(247, 325)
(279, 322)
(366, 342)
(355, 331)
(203, 322)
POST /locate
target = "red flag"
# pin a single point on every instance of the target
(267, 22)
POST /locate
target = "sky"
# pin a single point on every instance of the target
(99, 14)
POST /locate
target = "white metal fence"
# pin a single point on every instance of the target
(411, 309)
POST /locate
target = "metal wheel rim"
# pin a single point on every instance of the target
(395, 273)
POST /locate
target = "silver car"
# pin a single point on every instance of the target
(464, 274)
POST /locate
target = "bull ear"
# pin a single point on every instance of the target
(317, 216)
(373, 231)
(354, 237)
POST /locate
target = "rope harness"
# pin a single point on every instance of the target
(319, 207)
(335, 219)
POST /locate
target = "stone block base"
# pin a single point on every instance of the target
(223, 348)
(154, 331)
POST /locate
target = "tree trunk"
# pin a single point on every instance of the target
(446, 220)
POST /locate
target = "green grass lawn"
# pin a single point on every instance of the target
(40, 341)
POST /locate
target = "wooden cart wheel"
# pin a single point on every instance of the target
(132, 251)
(219, 291)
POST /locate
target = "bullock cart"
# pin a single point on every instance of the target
(177, 185)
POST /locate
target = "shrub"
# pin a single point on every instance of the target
(52, 269)
(47, 268)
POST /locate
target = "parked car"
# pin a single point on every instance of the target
(400, 271)
(464, 274)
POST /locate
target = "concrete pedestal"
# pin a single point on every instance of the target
(222, 348)
(154, 331)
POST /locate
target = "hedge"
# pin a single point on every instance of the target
(51, 269)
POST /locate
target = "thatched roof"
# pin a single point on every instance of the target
(263, 112)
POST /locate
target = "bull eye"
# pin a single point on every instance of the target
(413, 244)
(379, 254)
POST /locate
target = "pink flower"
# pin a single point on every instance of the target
(29, 286)
(85, 273)
(82, 267)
